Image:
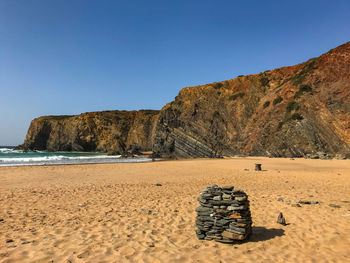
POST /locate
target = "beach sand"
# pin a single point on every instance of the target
(101, 213)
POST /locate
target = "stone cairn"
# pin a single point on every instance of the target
(223, 215)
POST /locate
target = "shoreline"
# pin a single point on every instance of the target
(149, 158)
(117, 212)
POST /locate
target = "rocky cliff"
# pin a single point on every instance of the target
(106, 131)
(290, 111)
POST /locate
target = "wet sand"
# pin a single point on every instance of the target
(115, 213)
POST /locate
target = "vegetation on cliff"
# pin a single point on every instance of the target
(115, 132)
(290, 111)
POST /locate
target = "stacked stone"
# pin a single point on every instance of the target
(223, 215)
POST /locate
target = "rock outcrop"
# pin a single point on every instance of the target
(115, 132)
(289, 112)
(295, 111)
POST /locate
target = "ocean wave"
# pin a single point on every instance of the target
(56, 158)
(5, 149)
(9, 150)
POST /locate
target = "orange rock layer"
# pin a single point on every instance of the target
(290, 111)
(106, 131)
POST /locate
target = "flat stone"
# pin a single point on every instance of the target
(204, 209)
(243, 220)
(206, 196)
(314, 202)
(228, 187)
(221, 222)
(201, 236)
(201, 200)
(217, 198)
(203, 228)
(158, 184)
(205, 218)
(296, 205)
(199, 231)
(235, 208)
(280, 199)
(236, 232)
(240, 198)
(221, 211)
(214, 233)
(223, 202)
(225, 241)
(334, 206)
(9, 241)
(204, 213)
(237, 229)
(231, 235)
(235, 216)
(25, 242)
(226, 196)
(304, 202)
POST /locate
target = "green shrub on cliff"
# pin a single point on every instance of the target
(266, 104)
(292, 105)
(237, 95)
(264, 81)
(218, 85)
(296, 116)
(302, 90)
(277, 100)
(298, 78)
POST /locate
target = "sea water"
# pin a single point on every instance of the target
(11, 157)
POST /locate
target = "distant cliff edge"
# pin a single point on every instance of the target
(114, 132)
(295, 111)
(287, 112)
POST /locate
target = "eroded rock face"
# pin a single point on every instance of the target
(106, 131)
(289, 112)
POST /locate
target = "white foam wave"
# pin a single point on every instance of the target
(5, 149)
(55, 158)
(9, 150)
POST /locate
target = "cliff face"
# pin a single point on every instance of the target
(107, 131)
(290, 111)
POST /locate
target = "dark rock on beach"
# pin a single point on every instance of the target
(334, 205)
(227, 218)
(281, 220)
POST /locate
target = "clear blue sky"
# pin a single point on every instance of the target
(68, 57)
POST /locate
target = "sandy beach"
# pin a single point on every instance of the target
(115, 213)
